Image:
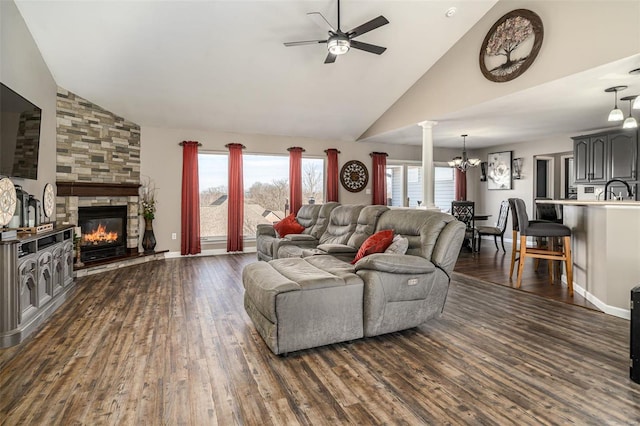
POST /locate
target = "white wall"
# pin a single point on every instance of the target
(161, 160)
(578, 35)
(23, 70)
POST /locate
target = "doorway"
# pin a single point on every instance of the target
(543, 179)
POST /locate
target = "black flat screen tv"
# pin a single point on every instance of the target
(19, 135)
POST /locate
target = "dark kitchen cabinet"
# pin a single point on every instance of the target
(590, 158)
(623, 155)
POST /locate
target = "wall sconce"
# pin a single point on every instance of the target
(517, 168)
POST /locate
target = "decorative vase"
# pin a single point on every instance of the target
(148, 239)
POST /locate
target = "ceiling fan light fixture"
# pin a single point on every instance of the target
(636, 103)
(338, 46)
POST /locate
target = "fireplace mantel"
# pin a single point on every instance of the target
(96, 189)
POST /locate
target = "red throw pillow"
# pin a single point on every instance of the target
(377, 243)
(288, 225)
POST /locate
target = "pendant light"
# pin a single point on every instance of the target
(616, 113)
(630, 122)
(636, 103)
(464, 163)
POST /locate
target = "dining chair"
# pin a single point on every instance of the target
(464, 212)
(550, 230)
(498, 229)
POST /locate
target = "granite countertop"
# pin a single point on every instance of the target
(600, 203)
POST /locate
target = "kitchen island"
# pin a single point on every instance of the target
(606, 250)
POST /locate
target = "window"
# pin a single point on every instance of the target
(444, 191)
(213, 172)
(266, 190)
(406, 178)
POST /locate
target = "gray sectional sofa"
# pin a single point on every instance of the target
(316, 297)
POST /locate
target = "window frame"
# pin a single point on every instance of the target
(252, 238)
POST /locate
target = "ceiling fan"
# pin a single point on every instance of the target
(339, 42)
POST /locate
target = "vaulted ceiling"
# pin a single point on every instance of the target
(222, 65)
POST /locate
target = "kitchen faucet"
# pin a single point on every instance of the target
(606, 187)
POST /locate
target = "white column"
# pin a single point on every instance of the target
(427, 163)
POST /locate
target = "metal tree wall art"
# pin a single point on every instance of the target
(511, 45)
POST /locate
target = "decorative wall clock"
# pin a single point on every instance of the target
(511, 45)
(8, 201)
(48, 200)
(354, 176)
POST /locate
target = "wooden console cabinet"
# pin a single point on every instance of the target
(36, 277)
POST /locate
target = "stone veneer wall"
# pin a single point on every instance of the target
(95, 145)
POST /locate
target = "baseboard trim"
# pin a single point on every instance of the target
(211, 252)
(607, 309)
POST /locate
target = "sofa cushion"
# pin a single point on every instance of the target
(307, 216)
(263, 284)
(323, 219)
(366, 225)
(337, 267)
(342, 224)
(399, 245)
(305, 274)
(288, 225)
(377, 243)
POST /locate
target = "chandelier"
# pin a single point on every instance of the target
(463, 163)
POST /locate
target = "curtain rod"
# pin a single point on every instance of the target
(182, 143)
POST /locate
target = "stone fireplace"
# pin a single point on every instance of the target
(97, 166)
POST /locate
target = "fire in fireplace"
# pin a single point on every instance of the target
(103, 232)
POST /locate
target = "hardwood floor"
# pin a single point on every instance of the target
(169, 342)
(490, 265)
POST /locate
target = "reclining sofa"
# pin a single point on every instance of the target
(316, 297)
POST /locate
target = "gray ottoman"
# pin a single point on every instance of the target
(295, 305)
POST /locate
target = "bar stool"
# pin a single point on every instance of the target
(543, 229)
(514, 238)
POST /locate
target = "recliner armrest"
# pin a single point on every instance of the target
(264, 229)
(337, 248)
(395, 263)
(300, 237)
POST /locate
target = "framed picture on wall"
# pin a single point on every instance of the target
(499, 170)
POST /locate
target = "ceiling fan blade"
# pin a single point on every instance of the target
(302, 43)
(372, 48)
(319, 19)
(331, 58)
(368, 26)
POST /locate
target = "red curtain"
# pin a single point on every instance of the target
(295, 178)
(461, 185)
(190, 241)
(379, 177)
(332, 174)
(235, 220)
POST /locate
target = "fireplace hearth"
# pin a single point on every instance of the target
(103, 232)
